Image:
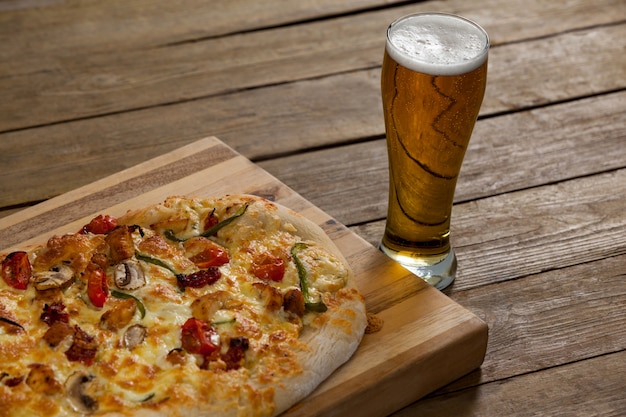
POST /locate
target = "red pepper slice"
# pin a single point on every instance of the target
(198, 337)
(211, 220)
(213, 255)
(100, 225)
(199, 278)
(54, 313)
(16, 270)
(84, 347)
(269, 268)
(97, 288)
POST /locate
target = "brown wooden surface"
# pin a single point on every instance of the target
(91, 88)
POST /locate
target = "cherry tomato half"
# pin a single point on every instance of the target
(269, 268)
(213, 255)
(198, 337)
(100, 225)
(16, 270)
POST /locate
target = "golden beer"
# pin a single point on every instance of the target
(433, 82)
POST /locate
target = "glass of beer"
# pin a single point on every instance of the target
(433, 81)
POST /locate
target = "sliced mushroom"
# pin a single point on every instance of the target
(58, 276)
(75, 390)
(129, 275)
(134, 336)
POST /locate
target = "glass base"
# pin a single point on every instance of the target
(439, 272)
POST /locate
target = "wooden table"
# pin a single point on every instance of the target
(90, 88)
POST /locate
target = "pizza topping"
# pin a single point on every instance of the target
(99, 225)
(316, 306)
(269, 268)
(199, 278)
(205, 307)
(41, 379)
(293, 302)
(155, 261)
(134, 335)
(57, 333)
(205, 253)
(16, 270)
(235, 355)
(199, 338)
(129, 275)
(59, 276)
(118, 316)
(97, 288)
(75, 389)
(17, 327)
(12, 382)
(120, 241)
(211, 220)
(214, 229)
(176, 356)
(124, 296)
(270, 296)
(54, 313)
(83, 347)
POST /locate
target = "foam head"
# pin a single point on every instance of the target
(437, 44)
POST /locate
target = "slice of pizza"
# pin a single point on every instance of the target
(229, 306)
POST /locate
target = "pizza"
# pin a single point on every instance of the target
(226, 306)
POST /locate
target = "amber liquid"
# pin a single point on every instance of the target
(428, 120)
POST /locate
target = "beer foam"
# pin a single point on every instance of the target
(437, 44)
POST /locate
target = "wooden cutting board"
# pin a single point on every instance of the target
(427, 340)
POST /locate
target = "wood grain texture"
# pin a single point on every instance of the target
(302, 119)
(560, 391)
(549, 319)
(421, 327)
(63, 84)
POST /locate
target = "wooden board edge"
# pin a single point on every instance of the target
(382, 389)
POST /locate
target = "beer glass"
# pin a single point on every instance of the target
(433, 81)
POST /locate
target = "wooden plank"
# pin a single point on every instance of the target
(88, 26)
(308, 114)
(549, 319)
(65, 84)
(83, 25)
(421, 325)
(594, 387)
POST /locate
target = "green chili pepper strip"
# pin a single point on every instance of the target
(228, 321)
(213, 230)
(154, 261)
(126, 296)
(169, 233)
(318, 307)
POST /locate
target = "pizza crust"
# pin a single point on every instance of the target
(333, 344)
